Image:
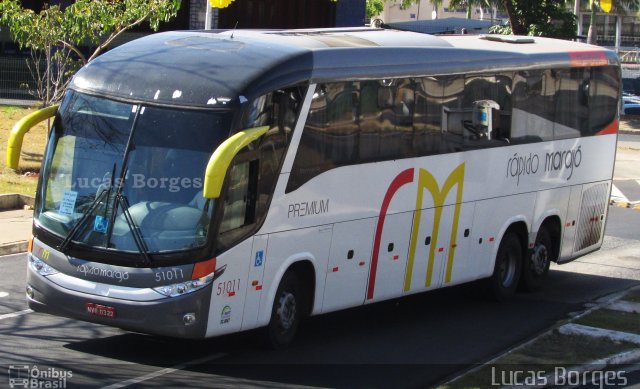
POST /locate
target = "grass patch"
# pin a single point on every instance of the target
(613, 320)
(25, 179)
(547, 356)
(633, 296)
(12, 182)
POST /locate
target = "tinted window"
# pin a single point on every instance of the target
(572, 103)
(603, 98)
(533, 110)
(253, 175)
(377, 120)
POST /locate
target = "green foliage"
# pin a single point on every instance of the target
(55, 34)
(373, 8)
(501, 29)
(467, 4)
(550, 18)
(404, 4)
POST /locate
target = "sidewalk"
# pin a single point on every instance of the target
(15, 230)
(629, 124)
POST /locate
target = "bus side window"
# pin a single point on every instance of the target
(428, 136)
(239, 200)
(285, 108)
(603, 98)
(503, 97)
(254, 172)
(331, 134)
(531, 117)
(572, 111)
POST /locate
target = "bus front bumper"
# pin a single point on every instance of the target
(165, 317)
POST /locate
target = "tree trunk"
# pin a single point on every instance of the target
(516, 27)
(576, 11)
(592, 35)
(618, 32)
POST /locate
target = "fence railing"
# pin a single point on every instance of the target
(628, 54)
(16, 81)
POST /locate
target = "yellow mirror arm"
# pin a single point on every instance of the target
(222, 157)
(14, 145)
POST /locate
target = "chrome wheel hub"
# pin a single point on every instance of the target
(286, 311)
(539, 259)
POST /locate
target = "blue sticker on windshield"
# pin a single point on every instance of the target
(101, 224)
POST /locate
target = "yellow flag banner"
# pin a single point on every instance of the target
(220, 3)
(605, 5)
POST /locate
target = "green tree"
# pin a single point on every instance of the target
(469, 5)
(436, 5)
(539, 18)
(373, 8)
(55, 35)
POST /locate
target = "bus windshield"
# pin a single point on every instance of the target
(129, 177)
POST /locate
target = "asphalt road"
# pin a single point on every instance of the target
(418, 341)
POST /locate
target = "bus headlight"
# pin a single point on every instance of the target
(41, 267)
(185, 287)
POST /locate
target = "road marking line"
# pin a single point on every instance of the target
(162, 372)
(15, 314)
(579, 329)
(617, 195)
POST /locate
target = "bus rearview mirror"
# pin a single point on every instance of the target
(221, 159)
(14, 144)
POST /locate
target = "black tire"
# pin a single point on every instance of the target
(286, 312)
(536, 267)
(508, 267)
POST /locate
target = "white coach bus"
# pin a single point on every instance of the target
(203, 183)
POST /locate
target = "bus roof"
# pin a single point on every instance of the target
(218, 69)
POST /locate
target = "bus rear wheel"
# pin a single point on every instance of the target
(508, 267)
(286, 311)
(537, 264)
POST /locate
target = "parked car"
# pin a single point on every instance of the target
(631, 104)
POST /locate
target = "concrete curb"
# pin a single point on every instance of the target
(616, 336)
(13, 248)
(15, 201)
(625, 204)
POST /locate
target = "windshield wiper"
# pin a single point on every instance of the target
(135, 230)
(83, 220)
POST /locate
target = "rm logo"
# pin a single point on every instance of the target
(44, 254)
(426, 182)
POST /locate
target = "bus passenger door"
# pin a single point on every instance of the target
(426, 252)
(386, 278)
(348, 266)
(254, 282)
(460, 263)
(441, 255)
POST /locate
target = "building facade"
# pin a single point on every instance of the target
(425, 10)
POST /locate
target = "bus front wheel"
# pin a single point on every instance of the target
(508, 267)
(286, 311)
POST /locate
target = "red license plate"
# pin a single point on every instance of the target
(100, 310)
